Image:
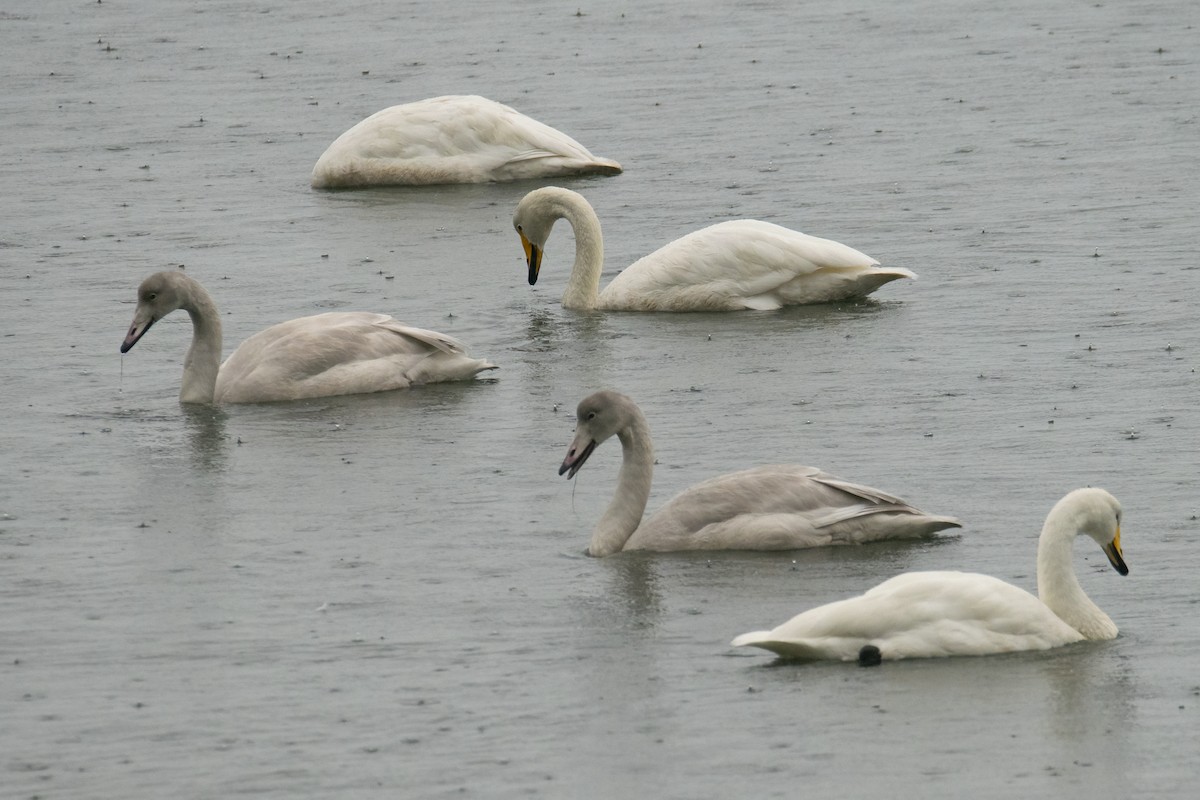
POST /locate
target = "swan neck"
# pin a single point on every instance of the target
(583, 287)
(1059, 588)
(624, 513)
(203, 360)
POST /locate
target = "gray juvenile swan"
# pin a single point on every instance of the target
(451, 139)
(341, 352)
(730, 266)
(781, 507)
(932, 614)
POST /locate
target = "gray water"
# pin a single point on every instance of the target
(387, 596)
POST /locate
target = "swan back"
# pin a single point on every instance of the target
(747, 264)
(930, 614)
(781, 507)
(920, 615)
(337, 353)
(777, 507)
(451, 139)
(734, 265)
(315, 356)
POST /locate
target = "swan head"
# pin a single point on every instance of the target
(159, 295)
(535, 217)
(1098, 514)
(600, 416)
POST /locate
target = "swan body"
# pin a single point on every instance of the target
(933, 614)
(781, 507)
(341, 352)
(452, 139)
(730, 266)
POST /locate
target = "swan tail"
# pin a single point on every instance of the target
(869, 281)
(753, 638)
(436, 368)
(856, 512)
(934, 521)
(796, 651)
(903, 522)
(606, 166)
(898, 272)
(570, 163)
(940, 523)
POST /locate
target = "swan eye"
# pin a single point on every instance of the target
(520, 229)
(152, 296)
(591, 415)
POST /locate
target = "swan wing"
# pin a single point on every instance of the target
(451, 139)
(781, 507)
(921, 615)
(746, 264)
(340, 353)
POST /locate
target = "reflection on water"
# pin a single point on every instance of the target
(541, 331)
(633, 588)
(566, 350)
(206, 436)
(1091, 709)
(186, 582)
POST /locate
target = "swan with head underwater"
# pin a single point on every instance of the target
(451, 139)
(730, 266)
(934, 614)
(336, 353)
(779, 507)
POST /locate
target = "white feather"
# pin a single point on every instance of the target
(730, 266)
(451, 139)
(932, 614)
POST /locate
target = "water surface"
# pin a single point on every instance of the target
(386, 595)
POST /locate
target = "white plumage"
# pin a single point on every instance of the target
(451, 139)
(932, 614)
(341, 352)
(730, 266)
(780, 507)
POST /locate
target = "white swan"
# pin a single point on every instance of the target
(781, 507)
(452, 139)
(740, 264)
(931, 614)
(329, 354)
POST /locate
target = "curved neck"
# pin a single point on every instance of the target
(203, 360)
(583, 287)
(1058, 587)
(624, 513)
